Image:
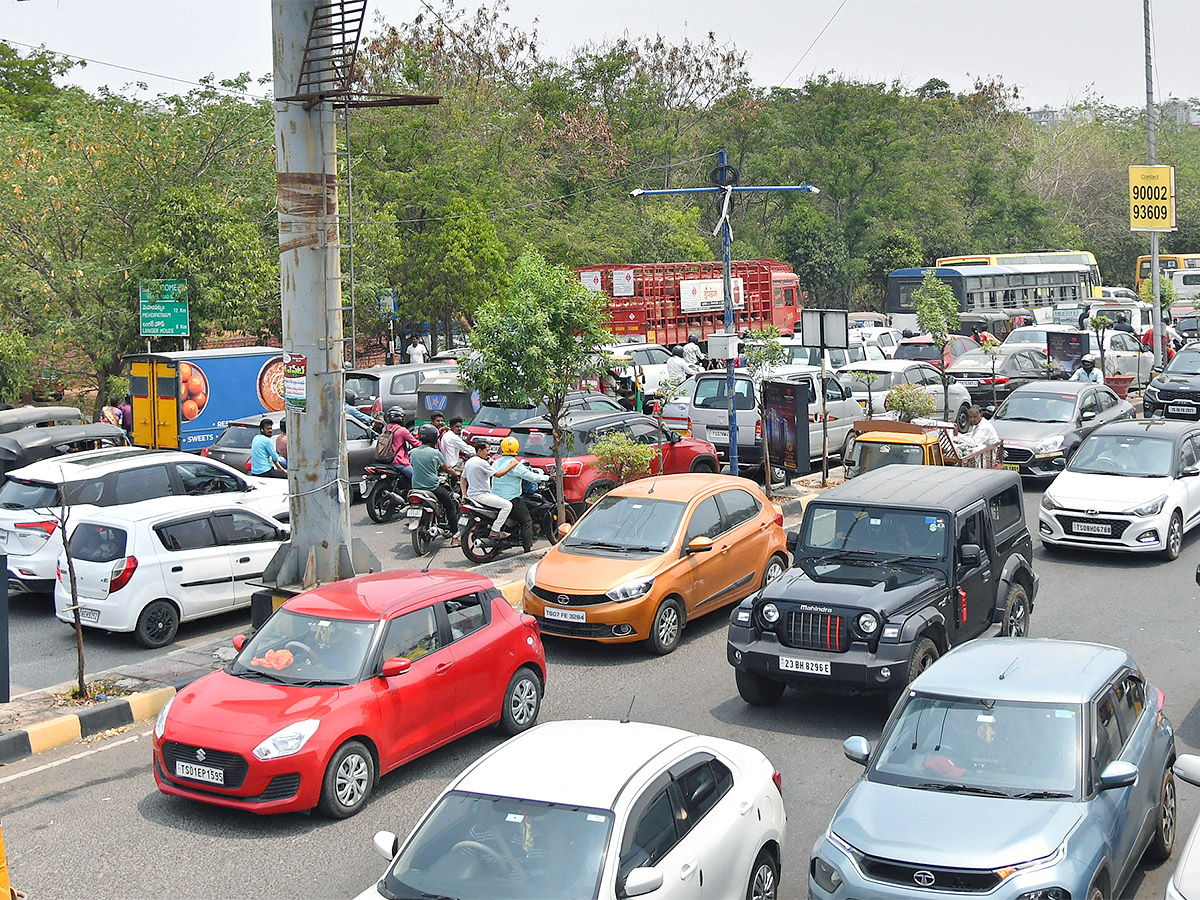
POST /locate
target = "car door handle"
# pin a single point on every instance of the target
(443, 668)
(244, 559)
(745, 807)
(176, 568)
(689, 867)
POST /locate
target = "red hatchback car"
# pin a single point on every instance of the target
(345, 683)
(583, 481)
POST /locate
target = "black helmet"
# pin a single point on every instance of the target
(351, 397)
(427, 434)
(395, 414)
(677, 351)
(693, 337)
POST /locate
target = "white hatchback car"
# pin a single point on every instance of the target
(1132, 485)
(148, 566)
(31, 496)
(641, 809)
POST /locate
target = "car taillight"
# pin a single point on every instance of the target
(247, 463)
(999, 379)
(572, 468)
(758, 430)
(532, 623)
(58, 573)
(1159, 700)
(204, 452)
(778, 517)
(377, 406)
(122, 571)
(45, 527)
(777, 778)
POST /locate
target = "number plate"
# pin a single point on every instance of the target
(3, 536)
(200, 773)
(362, 488)
(809, 666)
(1012, 467)
(1092, 528)
(462, 520)
(413, 512)
(565, 615)
(1181, 409)
(718, 434)
(88, 615)
(968, 382)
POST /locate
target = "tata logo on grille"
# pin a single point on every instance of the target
(924, 878)
(200, 754)
(564, 599)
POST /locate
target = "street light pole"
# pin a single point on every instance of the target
(1156, 306)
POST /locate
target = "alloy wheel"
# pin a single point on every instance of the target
(352, 779)
(524, 703)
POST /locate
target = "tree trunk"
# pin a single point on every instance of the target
(554, 414)
(81, 691)
(766, 449)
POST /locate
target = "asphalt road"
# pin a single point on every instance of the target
(82, 822)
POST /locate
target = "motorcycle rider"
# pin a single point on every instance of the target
(692, 352)
(678, 368)
(477, 486)
(427, 468)
(509, 476)
(402, 440)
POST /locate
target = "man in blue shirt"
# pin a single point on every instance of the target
(264, 459)
(508, 481)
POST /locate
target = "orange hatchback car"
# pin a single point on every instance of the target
(650, 555)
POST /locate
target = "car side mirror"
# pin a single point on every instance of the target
(642, 880)
(1118, 774)
(239, 640)
(564, 529)
(397, 665)
(699, 545)
(857, 749)
(1087, 415)
(1187, 768)
(387, 844)
(1059, 462)
(674, 437)
(1191, 471)
(793, 541)
(970, 555)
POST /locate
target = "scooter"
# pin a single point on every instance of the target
(479, 546)
(385, 488)
(427, 519)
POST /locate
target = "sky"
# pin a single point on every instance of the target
(1055, 52)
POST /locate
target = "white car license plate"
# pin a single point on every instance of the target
(1092, 528)
(200, 773)
(1181, 409)
(413, 512)
(1012, 467)
(810, 666)
(968, 382)
(88, 615)
(565, 615)
(718, 434)
(3, 536)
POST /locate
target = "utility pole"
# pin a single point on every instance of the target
(1156, 311)
(725, 182)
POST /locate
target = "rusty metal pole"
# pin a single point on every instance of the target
(320, 547)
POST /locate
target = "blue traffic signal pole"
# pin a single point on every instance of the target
(725, 178)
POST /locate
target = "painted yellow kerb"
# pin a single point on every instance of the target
(55, 733)
(148, 703)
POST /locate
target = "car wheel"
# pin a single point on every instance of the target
(847, 447)
(1163, 841)
(522, 701)
(764, 878)
(776, 566)
(758, 690)
(705, 467)
(1174, 542)
(476, 545)
(158, 624)
(348, 781)
(595, 491)
(1016, 612)
(924, 654)
(667, 627)
(963, 420)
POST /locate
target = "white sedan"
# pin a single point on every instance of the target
(587, 809)
(1132, 485)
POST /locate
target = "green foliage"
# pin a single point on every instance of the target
(909, 402)
(16, 366)
(869, 378)
(1100, 324)
(623, 459)
(815, 247)
(27, 82)
(1166, 292)
(937, 315)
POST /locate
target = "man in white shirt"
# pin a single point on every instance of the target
(982, 433)
(416, 351)
(454, 448)
(477, 486)
(678, 368)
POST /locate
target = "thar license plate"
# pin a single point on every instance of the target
(200, 773)
(809, 666)
(565, 615)
(718, 434)
(1092, 528)
(1181, 409)
(88, 615)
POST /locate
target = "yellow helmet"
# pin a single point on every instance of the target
(510, 446)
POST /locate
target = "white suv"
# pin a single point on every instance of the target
(148, 566)
(31, 497)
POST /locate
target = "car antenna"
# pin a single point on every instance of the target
(1012, 665)
(436, 546)
(625, 720)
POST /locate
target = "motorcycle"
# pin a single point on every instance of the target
(384, 488)
(427, 519)
(477, 544)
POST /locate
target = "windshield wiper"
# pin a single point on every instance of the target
(962, 789)
(1018, 419)
(259, 673)
(603, 545)
(317, 682)
(1044, 795)
(845, 554)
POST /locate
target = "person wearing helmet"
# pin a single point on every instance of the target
(1122, 324)
(692, 352)
(427, 468)
(1087, 370)
(402, 440)
(509, 477)
(678, 368)
(353, 411)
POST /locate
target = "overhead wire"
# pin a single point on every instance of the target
(813, 44)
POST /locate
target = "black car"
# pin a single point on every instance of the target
(989, 385)
(1043, 422)
(890, 571)
(232, 445)
(493, 421)
(1175, 392)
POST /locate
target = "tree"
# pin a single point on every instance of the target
(991, 347)
(534, 341)
(1100, 324)
(762, 352)
(869, 379)
(622, 458)
(16, 366)
(815, 248)
(62, 516)
(937, 314)
(27, 82)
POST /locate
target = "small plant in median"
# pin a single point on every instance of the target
(908, 402)
(623, 459)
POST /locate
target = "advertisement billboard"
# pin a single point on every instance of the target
(785, 425)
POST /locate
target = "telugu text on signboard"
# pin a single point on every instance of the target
(708, 295)
(295, 382)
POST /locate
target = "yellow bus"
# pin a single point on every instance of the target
(1031, 258)
(1166, 261)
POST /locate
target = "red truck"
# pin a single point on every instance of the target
(661, 303)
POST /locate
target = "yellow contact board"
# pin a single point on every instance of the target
(1151, 198)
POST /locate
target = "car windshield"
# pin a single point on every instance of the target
(1037, 407)
(873, 532)
(918, 351)
(237, 437)
(91, 542)
(976, 361)
(502, 417)
(365, 386)
(17, 493)
(1187, 323)
(799, 355)
(297, 648)
(1186, 362)
(870, 455)
(1026, 336)
(1016, 749)
(627, 523)
(480, 847)
(1131, 456)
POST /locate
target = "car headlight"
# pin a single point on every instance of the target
(1152, 391)
(1049, 502)
(631, 590)
(770, 613)
(867, 623)
(1050, 444)
(1153, 508)
(827, 877)
(1054, 893)
(160, 724)
(531, 576)
(287, 740)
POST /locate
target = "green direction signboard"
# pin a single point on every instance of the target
(164, 308)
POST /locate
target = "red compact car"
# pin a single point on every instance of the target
(583, 480)
(346, 682)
